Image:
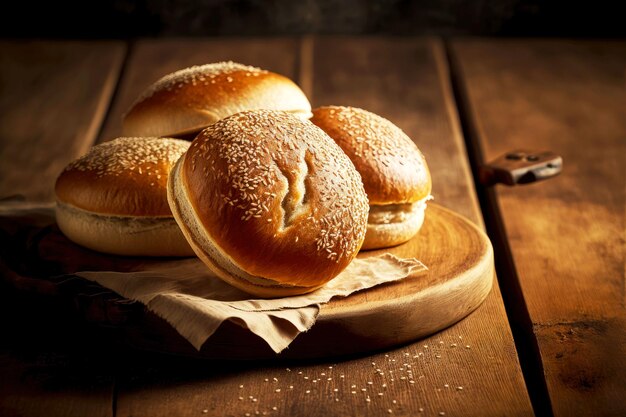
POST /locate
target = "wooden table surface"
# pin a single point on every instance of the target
(550, 338)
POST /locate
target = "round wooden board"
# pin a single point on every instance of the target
(460, 273)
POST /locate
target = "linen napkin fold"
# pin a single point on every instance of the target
(191, 299)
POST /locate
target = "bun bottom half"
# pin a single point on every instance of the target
(393, 224)
(211, 254)
(122, 235)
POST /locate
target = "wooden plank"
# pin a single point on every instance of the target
(151, 60)
(406, 81)
(566, 235)
(54, 98)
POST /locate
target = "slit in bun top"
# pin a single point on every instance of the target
(183, 103)
(395, 175)
(270, 203)
(114, 198)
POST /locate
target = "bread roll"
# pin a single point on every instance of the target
(184, 102)
(395, 175)
(270, 203)
(114, 198)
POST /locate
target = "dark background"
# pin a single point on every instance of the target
(154, 18)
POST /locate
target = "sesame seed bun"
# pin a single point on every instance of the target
(183, 103)
(395, 175)
(270, 203)
(114, 198)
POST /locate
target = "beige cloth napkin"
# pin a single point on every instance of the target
(195, 303)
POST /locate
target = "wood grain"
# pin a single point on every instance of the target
(459, 277)
(54, 98)
(152, 59)
(566, 235)
(405, 80)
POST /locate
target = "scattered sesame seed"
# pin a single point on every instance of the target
(459, 388)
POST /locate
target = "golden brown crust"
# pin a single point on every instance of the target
(191, 99)
(125, 177)
(277, 196)
(393, 169)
